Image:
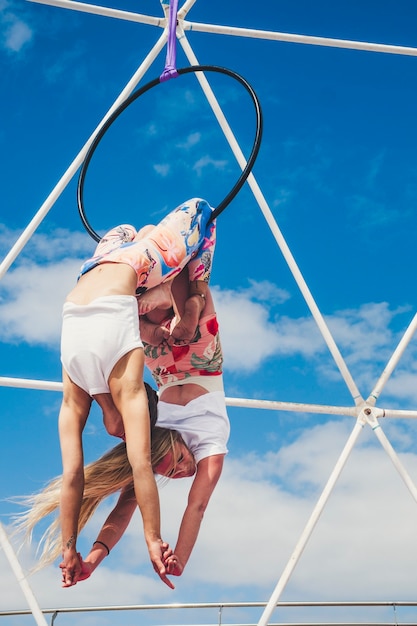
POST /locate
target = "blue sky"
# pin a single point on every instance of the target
(337, 167)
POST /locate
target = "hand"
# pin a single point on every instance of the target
(174, 565)
(86, 569)
(157, 550)
(166, 552)
(71, 568)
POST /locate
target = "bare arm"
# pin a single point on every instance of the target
(129, 395)
(111, 531)
(72, 417)
(205, 481)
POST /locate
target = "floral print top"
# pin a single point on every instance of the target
(201, 357)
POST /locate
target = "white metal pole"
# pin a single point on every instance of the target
(298, 407)
(399, 413)
(392, 363)
(272, 223)
(382, 438)
(21, 579)
(249, 403)
(182, 12)
(104, 11)
(302, 542)
(26, 383)
(233, 31)
(63, 182)
(301, 39)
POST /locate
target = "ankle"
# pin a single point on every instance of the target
(198, 288)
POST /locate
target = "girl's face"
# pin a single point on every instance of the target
(179, 464)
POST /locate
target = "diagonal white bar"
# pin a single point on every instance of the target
(272, 223)
(305, 535)
(393, 362)
(383, 440)
(21, 578)
(66, 178)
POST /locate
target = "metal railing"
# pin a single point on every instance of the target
(221, 608)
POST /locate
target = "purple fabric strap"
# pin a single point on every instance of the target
(171, 58)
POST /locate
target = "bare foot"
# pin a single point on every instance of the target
(185, 330)
(151, 333)
(156, 298)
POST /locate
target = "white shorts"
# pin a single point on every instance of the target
(203, 423)
(94, 338)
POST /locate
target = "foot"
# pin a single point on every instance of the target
(184, 331)
(156, 298)
(154, 334)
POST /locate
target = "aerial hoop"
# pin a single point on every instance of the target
(134, 96)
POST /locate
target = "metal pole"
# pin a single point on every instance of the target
(272, 223)
(300, 39)
(383, 440)
(392, 363)
(21, 579)
(234, 31)
(104, 11)
(63, 182)
(302, 542)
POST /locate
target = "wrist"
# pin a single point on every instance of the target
(103, 546)
(152, 538)
(70, 545)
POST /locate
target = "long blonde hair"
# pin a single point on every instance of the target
(103, 477)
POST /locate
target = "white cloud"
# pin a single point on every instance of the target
(191, 140)
(207, 161)
(246, 343)
(33, 289)
(57, 244)
(15, 32)
(31, 297)
(256, 518)
(17, 35)
(31, 301)
(163, 169)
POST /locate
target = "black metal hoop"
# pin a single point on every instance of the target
(134, 96)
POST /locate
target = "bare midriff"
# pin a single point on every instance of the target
(106, 279)
(182, 394)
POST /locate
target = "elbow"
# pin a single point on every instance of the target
(116, 430)
(73, 477)
(141, 468)
(200, 508)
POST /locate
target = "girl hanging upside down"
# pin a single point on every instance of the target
(192, 403)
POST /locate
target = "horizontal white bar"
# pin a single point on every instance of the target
(106, 12)
(234, 31)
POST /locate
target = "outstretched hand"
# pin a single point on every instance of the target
(157, 552)
(71, 568)
(174, 565)
(86, 569)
